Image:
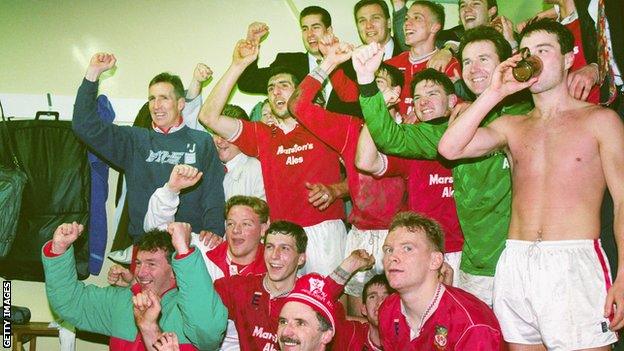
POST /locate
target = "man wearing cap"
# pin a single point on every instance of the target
(307, 320)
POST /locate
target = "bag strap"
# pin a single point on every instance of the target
(5, 123)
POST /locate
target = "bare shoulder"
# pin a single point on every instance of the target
(601, 118)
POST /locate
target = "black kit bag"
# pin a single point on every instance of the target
(12, 181)
(57, 191)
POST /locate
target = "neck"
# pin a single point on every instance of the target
(317, 56)
(417, 300)
(422, 49)
(566, 7)
(243, 260)
(548, 103)
(280, 287)
(287, 124)
(373, 335)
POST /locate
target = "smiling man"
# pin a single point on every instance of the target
(291, 159)
(246, 220)
(482, 189)
(553, 288)
(166, 267)
(314, 23)
(147, 156)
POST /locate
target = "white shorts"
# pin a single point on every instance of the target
(326, 243)
(481, 286)
(371, 241)
(553, 293)
(453, 259)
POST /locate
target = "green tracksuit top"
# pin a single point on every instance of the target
(482, 185)
(192, 310)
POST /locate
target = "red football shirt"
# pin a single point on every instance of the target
(375, 201)
(253, 311)
(430, 192)
(289, 161)
(458, 321)
(218, 256)
(404, 64)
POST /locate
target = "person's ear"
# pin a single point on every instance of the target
(437, 258)
(452, 101)
(181, 103)
(492, 11)
(569, 59)
(327, 336)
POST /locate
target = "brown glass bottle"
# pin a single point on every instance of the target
(529, 67)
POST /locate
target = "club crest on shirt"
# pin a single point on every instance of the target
(439, 340)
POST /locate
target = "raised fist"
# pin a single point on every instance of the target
(180, 236)
(257, 31)
(182, 177)
(64, 236)
(100, 62)
(245, 52)
(202, 73)
(119, 276)
(366, 60)
(146, 308)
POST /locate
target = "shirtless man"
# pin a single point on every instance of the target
(552, 284)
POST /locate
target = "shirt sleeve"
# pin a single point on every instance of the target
(111, 141)
(405, 140)
(204, 315)
(332, 128)
(87, 307)
(480, 338)
(249, 135)
(161, 209)
(190, 113)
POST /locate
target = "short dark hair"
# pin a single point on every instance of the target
(166, 77)
(490, 4)
(436, 9)
(485, 33)
(324, 324)
(397, 78)
(379, 279)
(235, 111)
(413, 222)
(434, 76)
(155, 240)
(549, 25)
(275, 70)
(290, 229)
(316, 10)
(258, 205)
(362, 3)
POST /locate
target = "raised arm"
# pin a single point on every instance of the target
(464, 138)
(203, 313)
(253, 79)
(245, 52)
(368, 158)
(398, 20)
(86, 307)
(163, 204)
(193, 96)
(109, 140)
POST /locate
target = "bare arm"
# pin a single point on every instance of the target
(367, 157)
(245, 52)
(610, 135)
(464, 138)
